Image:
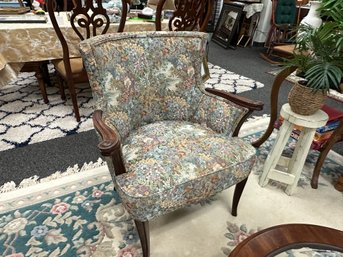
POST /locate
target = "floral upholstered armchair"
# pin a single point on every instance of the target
(169, 142)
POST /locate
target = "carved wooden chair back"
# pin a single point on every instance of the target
(87, 20)
(189, 15)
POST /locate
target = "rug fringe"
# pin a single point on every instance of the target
(11, 186)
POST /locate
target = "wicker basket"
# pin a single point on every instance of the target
(303, 100)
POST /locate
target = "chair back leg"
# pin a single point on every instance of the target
(144, 236)
(74, 99)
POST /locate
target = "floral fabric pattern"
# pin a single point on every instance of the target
(141, 78)
(171, 164)
(175, 136)
(89, 222)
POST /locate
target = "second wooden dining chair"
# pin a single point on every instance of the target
(189, 15)
(86, 21)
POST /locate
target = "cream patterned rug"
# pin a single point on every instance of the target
(77, 213)
(26, 119)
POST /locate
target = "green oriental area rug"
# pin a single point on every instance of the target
(77, 213)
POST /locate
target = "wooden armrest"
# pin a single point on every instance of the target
(110, 142)
(240, 100)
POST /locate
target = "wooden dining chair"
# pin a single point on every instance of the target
(283, 24)
(86, 21)
(324, 148)
(168, 5)
(189, 15)
(40, 68)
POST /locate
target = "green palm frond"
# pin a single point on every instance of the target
(324, 77)
(319, 51)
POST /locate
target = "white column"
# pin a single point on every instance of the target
(264, 24)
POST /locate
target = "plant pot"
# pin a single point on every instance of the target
(303, 100)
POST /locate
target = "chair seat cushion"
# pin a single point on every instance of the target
(76, 65)
(171, 164)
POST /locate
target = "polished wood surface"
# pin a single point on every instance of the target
(274, 240)
(274, 112)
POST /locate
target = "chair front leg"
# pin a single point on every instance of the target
(144, 236)
(237, 195)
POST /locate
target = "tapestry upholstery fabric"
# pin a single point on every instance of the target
(171, 164)
(176, 138)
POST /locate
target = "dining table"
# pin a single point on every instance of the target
(26, 42)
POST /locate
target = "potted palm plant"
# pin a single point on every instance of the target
(318, 57)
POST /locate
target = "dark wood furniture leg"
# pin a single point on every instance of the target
(274, 104)
(45, 72)
(274, 240)
(41, 83)
(73, 97)
(61, 86)
(39, 74)
(237, 195)
(336, 136)
(144, 236)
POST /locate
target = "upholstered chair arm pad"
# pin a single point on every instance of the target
(224, 113)
(239, 100)
(109, 142)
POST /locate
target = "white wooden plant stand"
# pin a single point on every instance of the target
(288, 170)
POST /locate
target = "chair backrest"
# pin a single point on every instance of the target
(168, 5)
(58, 6)
(86, 20)
(140, 78)
(284, 12)
(189, 15)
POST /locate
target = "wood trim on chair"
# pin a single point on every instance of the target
(279, 79)
(144, 236)
(110, 146)
(335, 137)
(237, 196)
(251, 105)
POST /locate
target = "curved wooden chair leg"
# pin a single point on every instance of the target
(237, 195)
(274, 104)
(317, 168)
(336, 136)
(41, 83)
(266, 134)
(74, 99)
(144, 236)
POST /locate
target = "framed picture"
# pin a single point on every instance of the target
(11, 3)
(227, 25)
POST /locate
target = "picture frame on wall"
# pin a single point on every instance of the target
(227, 25)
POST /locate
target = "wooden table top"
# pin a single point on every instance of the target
(274, 240)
